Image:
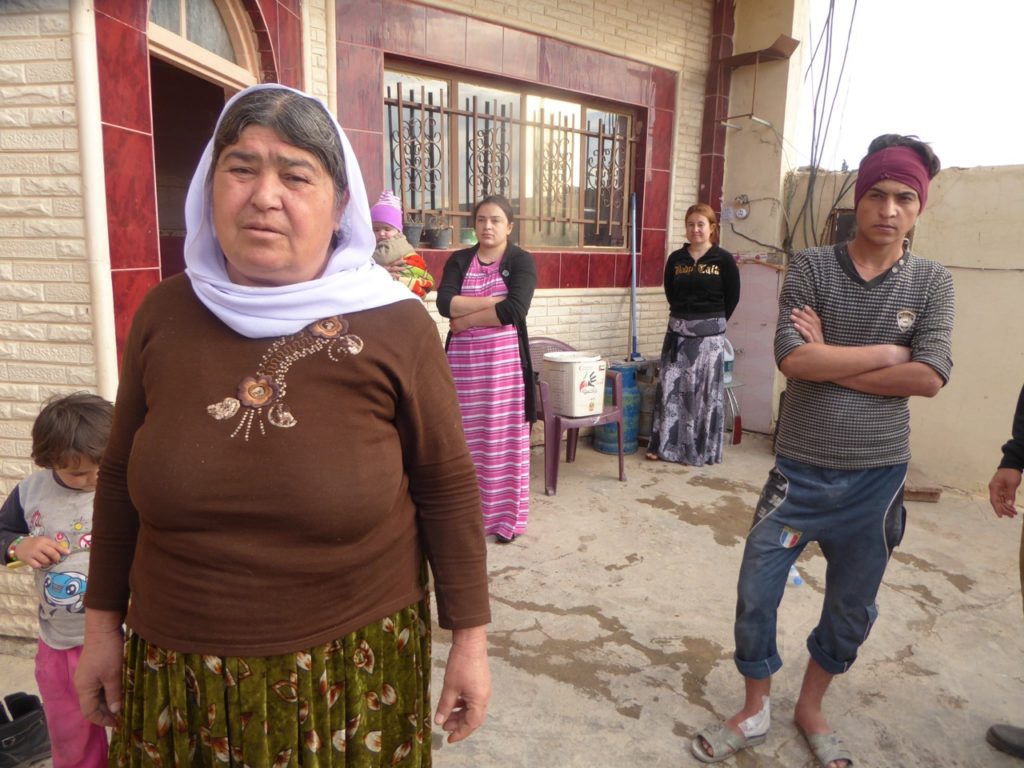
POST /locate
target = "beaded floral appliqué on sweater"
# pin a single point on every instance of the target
(261, 396)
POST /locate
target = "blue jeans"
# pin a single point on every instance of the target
(857, 518)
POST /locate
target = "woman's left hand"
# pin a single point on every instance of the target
(466, 692)
(459, 324)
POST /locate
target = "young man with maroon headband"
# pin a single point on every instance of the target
(863, 326)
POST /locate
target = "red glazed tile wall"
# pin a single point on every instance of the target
(716, 105)
(131, 199)
(123, 60)
(126, 113)
(130, 287)
(370, 30)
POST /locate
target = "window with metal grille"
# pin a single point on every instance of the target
(565, 165)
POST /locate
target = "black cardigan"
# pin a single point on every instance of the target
(520, 275)
(708, 288)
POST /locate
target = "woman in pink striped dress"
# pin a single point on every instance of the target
(486, 291)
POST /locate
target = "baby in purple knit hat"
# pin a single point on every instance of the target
(394, 252)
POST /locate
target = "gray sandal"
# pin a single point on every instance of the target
(827, 747)
(723, 742)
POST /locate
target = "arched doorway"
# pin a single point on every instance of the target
(179, 136)
(201, 52)
(127, 44)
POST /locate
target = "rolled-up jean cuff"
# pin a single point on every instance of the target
(759, 670)
(825, 661)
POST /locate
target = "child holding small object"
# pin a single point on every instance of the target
(394, 252)
(46, 523)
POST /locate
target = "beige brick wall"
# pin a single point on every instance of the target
(316, 46)
(596, 320)
(669, 33)
(45, 321)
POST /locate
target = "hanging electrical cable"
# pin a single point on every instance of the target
(825, 95)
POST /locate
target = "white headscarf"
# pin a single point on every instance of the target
(350, 282)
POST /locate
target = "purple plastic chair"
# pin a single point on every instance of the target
(555, 424)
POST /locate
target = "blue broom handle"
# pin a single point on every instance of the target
(632, 250)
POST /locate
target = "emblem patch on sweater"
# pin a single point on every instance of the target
(261, 395)
(905, 319)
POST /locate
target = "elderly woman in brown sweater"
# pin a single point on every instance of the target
(281, 464)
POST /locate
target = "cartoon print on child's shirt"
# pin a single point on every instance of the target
(64, 590)
(77, 538)
(79, 526)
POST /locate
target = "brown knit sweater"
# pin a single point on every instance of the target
(237, 529)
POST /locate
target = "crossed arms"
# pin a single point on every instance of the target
(876, 369)
(466, 312)
(474, 312)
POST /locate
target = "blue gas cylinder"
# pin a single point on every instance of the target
(605, 436)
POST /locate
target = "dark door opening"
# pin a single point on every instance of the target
(185, 110)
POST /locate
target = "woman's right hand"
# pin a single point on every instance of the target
(98, 677)
(395, 268)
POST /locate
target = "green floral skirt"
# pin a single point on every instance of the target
(360, 701)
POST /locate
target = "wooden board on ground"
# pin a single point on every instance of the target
(920, 488)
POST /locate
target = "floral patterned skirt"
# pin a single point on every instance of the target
(360, 701)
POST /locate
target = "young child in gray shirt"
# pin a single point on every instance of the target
(46, 523)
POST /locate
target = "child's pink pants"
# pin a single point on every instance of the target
(76, 742)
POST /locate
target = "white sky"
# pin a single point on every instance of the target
(947, 71)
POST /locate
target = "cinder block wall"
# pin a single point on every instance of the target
(45, 323)
(595, 321)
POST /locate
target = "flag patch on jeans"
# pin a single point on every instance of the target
(789, 537)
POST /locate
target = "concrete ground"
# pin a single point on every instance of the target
(612, 635)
